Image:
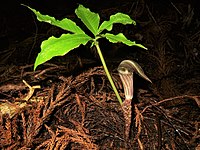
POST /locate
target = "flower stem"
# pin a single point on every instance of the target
(107, 72)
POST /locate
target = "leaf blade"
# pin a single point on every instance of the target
(59, 46)
(90, 19)
(121, 38)
(117, 18)
(65, 23)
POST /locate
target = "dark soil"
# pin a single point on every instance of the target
(75, 106)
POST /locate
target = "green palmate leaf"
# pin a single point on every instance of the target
(59, 46)
(121, 38)
(65, 24)
(117, 18)
(90, 19)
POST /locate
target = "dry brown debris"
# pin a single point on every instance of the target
(81, 112)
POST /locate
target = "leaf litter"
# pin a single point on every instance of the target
(82, 112)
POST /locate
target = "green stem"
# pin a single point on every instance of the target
(107, 72)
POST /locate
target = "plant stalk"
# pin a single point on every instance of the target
(107, 72)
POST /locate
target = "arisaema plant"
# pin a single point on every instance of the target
(76, 36)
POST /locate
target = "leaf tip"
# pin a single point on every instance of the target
(34, 68)
(145, 48)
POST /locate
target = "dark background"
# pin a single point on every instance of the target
(169, 29)
(18, 23)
